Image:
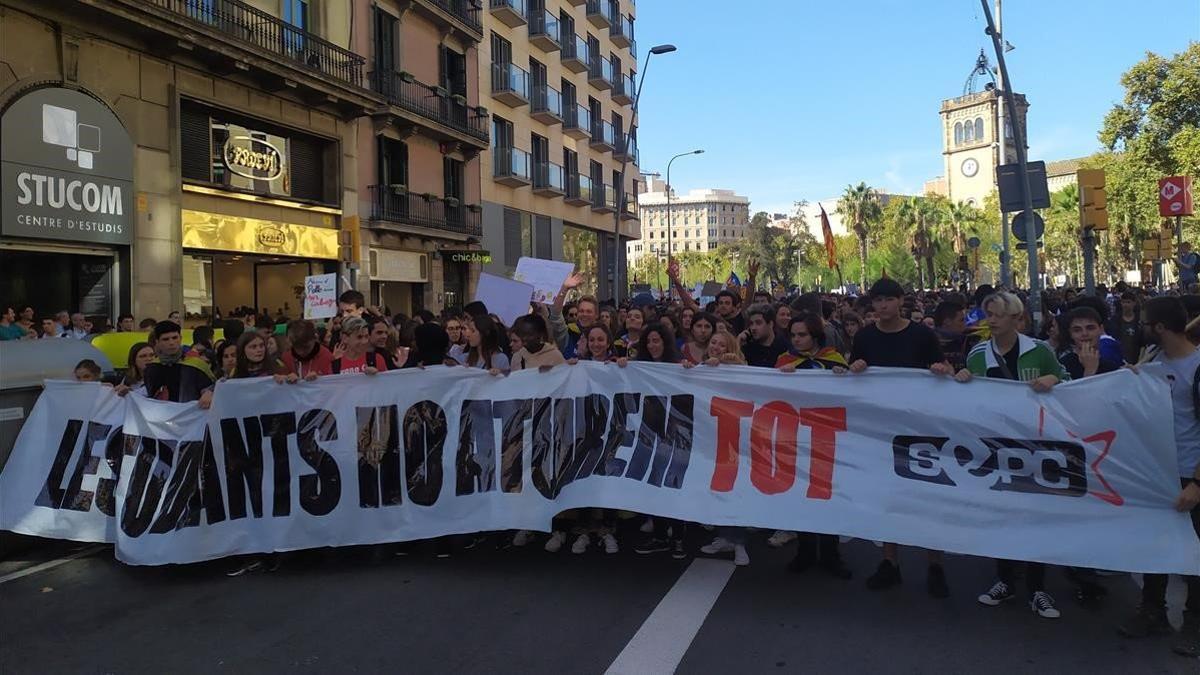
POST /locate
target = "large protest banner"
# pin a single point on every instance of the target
(987, 468)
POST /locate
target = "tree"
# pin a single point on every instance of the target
(860, 206)
(908, 216)
(1158, 119)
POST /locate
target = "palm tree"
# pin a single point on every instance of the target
(960, 214)
(929, 216)
(860, 205)
(909, 215)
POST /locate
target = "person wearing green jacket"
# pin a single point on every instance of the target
(1009, 355)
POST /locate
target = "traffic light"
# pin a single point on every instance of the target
(1093, 201)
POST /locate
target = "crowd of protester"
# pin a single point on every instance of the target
(984, 334)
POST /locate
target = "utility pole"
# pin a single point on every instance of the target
(1005, 261)
(1035, 292)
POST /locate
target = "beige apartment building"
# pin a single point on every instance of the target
(560, 80)
(419, 154)
(187, 154)
(702, 220)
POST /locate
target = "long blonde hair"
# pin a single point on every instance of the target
(732, 345)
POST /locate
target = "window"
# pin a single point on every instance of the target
(712, 231)
(712, 220)
(958, 133)
(968, 132)
(295, 12)
(979, 128)
(385, 45)
(502, 132)
(393, 162)
(501, 50)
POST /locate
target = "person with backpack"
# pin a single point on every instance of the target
(1164, 321)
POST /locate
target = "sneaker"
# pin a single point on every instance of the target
(1043, 605)
(935, 582)
(740, 557)
(835, 568)
(718, 545)
(652, 545)
(885, 576)
(610, 544)
(998, 593)
(1146, 622)
(781, 538)
(555, 542)
(647, 526)
(1189, 637)
(677, 551)
(522, 538)
(581, 544)
(255, 565)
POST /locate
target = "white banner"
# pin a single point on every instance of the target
(1085, 475)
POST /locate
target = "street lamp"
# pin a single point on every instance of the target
(637, 98)
(670, 224)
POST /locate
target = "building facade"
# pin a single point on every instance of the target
(419, 154)
(560, 76)
(701, 220)
(235, 123)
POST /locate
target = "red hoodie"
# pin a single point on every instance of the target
(320, 362)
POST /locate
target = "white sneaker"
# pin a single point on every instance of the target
(610, 544)
(740, 557)
(647, 526)
(781, 538)
(582, 542)
(718, 545)
(522, 538)
(1043, 605)
(555, 542)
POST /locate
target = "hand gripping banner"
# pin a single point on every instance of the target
(1085, 475)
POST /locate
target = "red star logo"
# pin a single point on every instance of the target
(1103, 441)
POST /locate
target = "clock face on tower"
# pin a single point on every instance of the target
(970, 167)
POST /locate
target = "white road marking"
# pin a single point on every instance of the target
(49, 565)
(666, 635)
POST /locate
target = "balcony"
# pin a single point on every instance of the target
(629, 208)
(604, 198)
(463, 15)
(543, 32)
(510, 167)
(597, 13)
(233, 36)
(623, 91)
(575, 54)
(621, 32)
(625, 148)
(511, 13)
(579, 190)
(600, 72)
(548, 179)
(577, 121)
(510, 84)
(603, 136)
(547, 104)
(394, 204)
(452, 119)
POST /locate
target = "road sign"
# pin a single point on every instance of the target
(1019, 229)
(1008, 181)
(1175, 196)
(973, 242)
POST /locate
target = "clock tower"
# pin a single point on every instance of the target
(970, 142)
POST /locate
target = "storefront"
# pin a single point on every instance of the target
(457, 266)
(66, 222)
(260, 213)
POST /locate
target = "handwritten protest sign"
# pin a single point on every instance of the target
(320, 296)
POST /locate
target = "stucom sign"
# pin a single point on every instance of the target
(66, 163)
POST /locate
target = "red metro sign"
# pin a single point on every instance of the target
(1175, 196)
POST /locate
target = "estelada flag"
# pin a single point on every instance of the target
(733, 281)
(827, 233)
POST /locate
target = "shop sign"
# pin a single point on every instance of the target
(220, 232)
(468, 257)
(253, 158)
(66, 169)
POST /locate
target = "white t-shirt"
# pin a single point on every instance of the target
(1180, 373)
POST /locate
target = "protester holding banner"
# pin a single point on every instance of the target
(431, 346)
(254, 361)
(1164, 321)
(807, 347)
(695, 349)
(357, 355)
(1009, 355)
(172, 376)
(895, 342)
(307, 358)
(627, 345)
(141, 354)
(483, 346)
(1084, 359)
(598, 345)
(761, 344)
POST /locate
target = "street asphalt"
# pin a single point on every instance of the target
(528, 611)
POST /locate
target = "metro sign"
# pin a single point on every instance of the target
(1175, 196)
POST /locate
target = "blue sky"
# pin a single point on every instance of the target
(793, 99)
